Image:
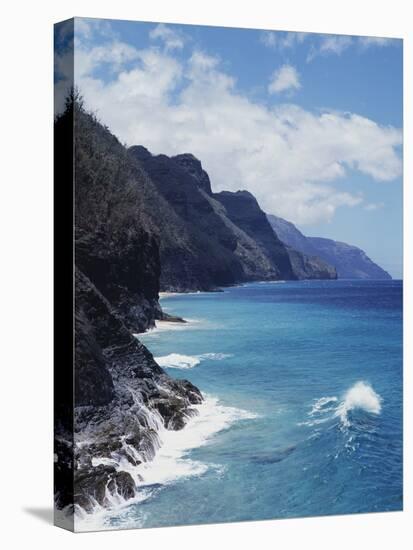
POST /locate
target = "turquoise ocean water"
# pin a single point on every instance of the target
(303, 413)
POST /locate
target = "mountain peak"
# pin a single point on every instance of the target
(140, 152)
(194, 167)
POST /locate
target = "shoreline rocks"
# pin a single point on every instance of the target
(142, 223)
(122, 421)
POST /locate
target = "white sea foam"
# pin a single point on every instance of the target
(163, 326)
(360, 396)
(179, 361)
(98, 519)
(215, 356)
(164, 295)
(323, 405)
(171, 461)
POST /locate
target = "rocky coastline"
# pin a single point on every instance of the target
(122, 397)
(144, 224)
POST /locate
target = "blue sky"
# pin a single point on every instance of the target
(311, 124)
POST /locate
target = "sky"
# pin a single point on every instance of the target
(311, 124)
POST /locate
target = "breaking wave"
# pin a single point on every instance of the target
(360, 396)
(167, 326)
(178, 361)
(168, 464)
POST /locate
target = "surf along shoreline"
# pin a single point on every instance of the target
(171, 461)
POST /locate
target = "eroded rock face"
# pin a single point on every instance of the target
(243, 210)
(116, 243)
(99, 484)
(201, 255)
(124, 400)
(214, 247)
(193, 166)
(310, 267)
(125, 269)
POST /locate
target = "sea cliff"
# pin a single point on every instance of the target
(143, 224)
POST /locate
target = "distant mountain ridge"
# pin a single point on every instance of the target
(350, 261)
(243, 209)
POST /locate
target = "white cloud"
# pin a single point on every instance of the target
(171, 39)
(292, 39)
(283, 79)
(87, 28)
(330, 44)
(293, 160)
(337, 44)
(269, 38)
(282, 40)
(371, 41)
(322, 44)
(114, 54)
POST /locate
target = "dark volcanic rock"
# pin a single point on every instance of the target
(123, 363)
(193, 166)
(172, 318)
(201, 255)
(123, 398)
(63, 468)
(125, 268)
(212, 249)
(97, 484)
(116, 243)
(310, 267)
(93, 383)
(243, 210)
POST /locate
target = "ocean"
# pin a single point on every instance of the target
(303, 389)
